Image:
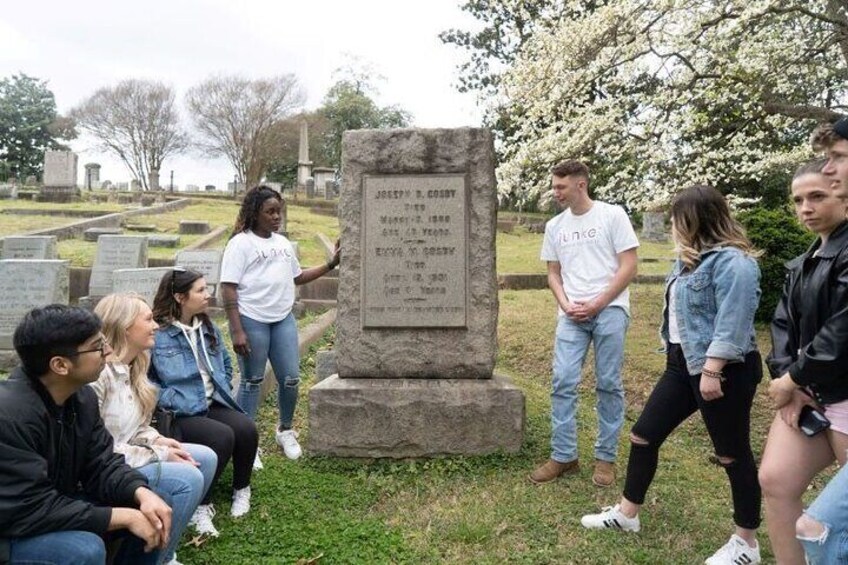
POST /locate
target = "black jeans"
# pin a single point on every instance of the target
(229, 434)
(728, 420)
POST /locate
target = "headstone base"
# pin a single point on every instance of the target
(59, 194)
(398, 418)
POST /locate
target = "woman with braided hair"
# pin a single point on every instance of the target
(258, 276)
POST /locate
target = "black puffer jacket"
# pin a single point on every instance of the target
(809, 332)
(57, 468)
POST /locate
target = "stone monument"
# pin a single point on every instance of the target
(205, 261)
(416, 337)
(304, 165)
(653, 226)
(115, 252)
(92, 176)
(29, 247)
(60, 176)
(24, 285)
(144, 282)
(153, 179)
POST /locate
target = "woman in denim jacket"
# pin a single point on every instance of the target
(192, 367)
(712, 366)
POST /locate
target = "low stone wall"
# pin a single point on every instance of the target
(76, 229)
(57, 212)
(538, 281)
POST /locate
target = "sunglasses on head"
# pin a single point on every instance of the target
(174, 272)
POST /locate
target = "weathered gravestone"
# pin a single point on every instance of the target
(29, 247)
(310, 187)
(144, 282)
(194, 227)
(205, 261)
(24, 285)
(115, 252)
(416, 337)
(163, 240)
(60, 176)
(653, 227)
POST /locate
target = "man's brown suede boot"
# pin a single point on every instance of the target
(553, 469)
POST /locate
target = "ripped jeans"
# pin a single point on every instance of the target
(276, 342)
(831, 510)
(677, 396)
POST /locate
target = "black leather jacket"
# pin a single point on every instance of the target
(57, 467)
(809, 332)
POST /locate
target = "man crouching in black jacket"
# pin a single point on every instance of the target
(61, 485)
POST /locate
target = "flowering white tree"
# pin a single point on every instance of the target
(658, 94)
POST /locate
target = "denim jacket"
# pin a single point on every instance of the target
(174, 368)
(715, 307)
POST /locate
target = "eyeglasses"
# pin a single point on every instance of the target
(101, 348)
(174, 272)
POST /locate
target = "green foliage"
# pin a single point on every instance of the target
(776, 232)
(29, 125)
(347, 106)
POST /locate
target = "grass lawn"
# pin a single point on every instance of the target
(483, 509)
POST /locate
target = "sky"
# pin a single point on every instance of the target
(78, 47)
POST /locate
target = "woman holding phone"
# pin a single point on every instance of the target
(809, 361)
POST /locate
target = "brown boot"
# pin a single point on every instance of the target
(553, 469)
(604, 474)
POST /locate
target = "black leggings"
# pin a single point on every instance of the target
(229, 434)
(728, 420)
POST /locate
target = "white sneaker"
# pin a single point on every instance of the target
(173, 561)
(735, 552)
(201, 520)
(287, 439)
(611, 518)
(257, 462)
(241, 502)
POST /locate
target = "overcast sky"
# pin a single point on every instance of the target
(84, 45)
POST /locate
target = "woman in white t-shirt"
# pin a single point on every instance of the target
(258, 276)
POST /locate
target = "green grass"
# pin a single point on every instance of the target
(302, 225)
(483, 509)
(518, 251)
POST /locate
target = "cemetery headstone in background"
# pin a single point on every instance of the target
(144, 282)
(115, 252)
(29, 247)
(60, 176)
(24, 285)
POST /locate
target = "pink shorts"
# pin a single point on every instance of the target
(838, 415)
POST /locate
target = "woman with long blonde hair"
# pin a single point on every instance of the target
(180, 473)
(712, 366)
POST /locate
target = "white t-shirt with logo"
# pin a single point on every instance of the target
(264, 270)
(586, 247)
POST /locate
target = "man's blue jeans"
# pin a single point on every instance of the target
(80, 548)
(606, 332)
(277, 342)
(831, 510)
(182, 487)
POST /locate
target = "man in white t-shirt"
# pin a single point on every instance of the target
(591, 253)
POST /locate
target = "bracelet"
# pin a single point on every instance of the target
(713, 374)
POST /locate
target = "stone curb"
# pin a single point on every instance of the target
(539, 281)
(74, 229)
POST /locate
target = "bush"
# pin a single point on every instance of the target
(779, 235)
